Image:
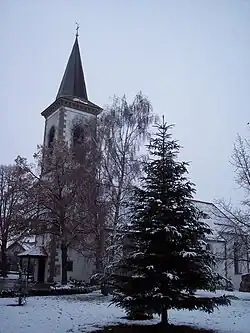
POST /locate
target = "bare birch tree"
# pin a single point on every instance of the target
(122, 130)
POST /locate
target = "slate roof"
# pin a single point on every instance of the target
(73, 82)
(25, 242)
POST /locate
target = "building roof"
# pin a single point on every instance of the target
(214, 218)
(73, 82)
(35, 251)
(26, 242)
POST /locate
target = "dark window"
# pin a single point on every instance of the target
(51, 136)
(78, 140)
(78, 135)
(70, 266)
(57, 270)
(236, 259)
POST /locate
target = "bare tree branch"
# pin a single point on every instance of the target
(16, 209)
(238, 232)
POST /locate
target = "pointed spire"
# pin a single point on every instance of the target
(73, 82)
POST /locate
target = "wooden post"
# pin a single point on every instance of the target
(28, 269)
(225, 258)
(21, 262)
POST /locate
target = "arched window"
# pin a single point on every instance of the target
(51, 136)
(78, 135)
(78, 140)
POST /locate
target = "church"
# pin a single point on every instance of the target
(70, 111)
(65, 118)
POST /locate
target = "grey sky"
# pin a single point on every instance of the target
(191, 58)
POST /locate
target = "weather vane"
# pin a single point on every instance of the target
(77, 28)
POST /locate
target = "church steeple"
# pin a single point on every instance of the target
(71, 105)
(73, 82)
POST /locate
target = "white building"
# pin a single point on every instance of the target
(230, 251)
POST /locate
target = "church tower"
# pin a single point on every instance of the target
(71, 111)
(68, 118)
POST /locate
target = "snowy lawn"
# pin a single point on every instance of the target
(83, 313)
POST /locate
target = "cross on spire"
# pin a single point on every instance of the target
(77, 29)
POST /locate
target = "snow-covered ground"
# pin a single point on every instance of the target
(83, 313)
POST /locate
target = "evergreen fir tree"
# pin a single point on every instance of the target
(167, 260)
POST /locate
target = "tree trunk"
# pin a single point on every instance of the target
(98, 260)
(4, 259)
(100, 249)
(52, 261)
(64, 251)
(118, 206)
(164, 316)
(225, 258)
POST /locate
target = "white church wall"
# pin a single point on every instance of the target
(222, 242)
(75, 117)
(224, 265)
(83, 268)
(52, 120)
(218, 249)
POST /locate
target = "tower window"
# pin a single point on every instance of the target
(78, 135)
(78, 139)
(51, 136)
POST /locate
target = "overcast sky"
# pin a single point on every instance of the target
(190, 57)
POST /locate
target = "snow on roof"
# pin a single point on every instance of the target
(27, 246)
(25, 242)
(29, 239)
(35, 251)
